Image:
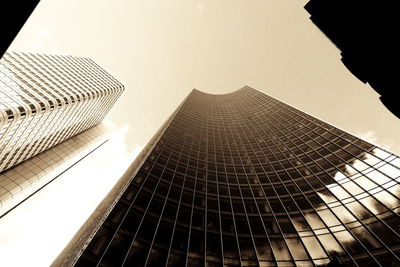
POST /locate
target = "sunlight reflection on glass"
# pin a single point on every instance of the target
(368, 197)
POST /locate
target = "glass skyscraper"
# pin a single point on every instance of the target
(242, 179)
(45, 99)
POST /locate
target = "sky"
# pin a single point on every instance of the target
(161, 50)
(41, 226)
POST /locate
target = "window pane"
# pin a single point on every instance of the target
(297, 249)
(366, 238)
(349, 242)
(280, 250)
(387, 199)
(330, 244)
(313, 247)
(314, 220)
(263, 249)
(358, 210)
(328, 217)
(300, 223)
(373, 205)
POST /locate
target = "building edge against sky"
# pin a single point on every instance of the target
(244, 179)
(87, 231)
(50, 110)
(46, 99)
(25, 179)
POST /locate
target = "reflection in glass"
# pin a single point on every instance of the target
(368, 240)
(313, 247)
(280, 250)
(344, 215)
(330, 244)
(347, 240)
(328, 217)
(297, 249)
(265, 185)
(314, 221)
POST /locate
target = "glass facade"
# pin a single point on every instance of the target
(23, 180)
(45, 99)
(243, 179)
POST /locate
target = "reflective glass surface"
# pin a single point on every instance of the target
(243, 179)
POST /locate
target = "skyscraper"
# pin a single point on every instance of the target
(45, 99)
(243, 179)
(25, 179)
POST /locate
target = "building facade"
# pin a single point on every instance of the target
(25, 179)
(243, 179)
(45, 99)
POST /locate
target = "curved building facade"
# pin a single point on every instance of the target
(243, 179)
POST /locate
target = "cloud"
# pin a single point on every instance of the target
(43, 39)
(371, 137)
(200, 7)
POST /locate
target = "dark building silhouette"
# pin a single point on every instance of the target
(18, 11)
(243, 179)
(366, 34)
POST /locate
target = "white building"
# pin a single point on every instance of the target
(45, 99)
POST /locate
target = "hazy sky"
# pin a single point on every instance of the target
(160, 50)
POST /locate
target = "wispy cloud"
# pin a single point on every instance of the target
(200, 8)
(371, 137)
(43, 39)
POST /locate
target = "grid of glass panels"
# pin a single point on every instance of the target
(45, 99)
(19, 182)
(243, 179)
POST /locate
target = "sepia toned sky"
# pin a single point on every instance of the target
(160, 50)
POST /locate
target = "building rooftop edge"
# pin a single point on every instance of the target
(222, 94)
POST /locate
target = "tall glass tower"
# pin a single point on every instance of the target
(46, 99)
(243, 179)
